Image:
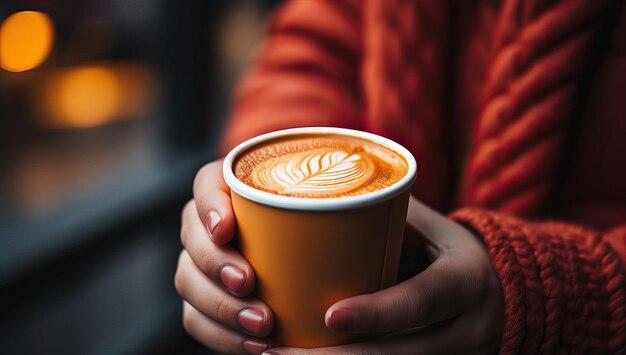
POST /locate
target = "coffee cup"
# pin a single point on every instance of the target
(315, 242)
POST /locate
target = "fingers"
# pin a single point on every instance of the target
(222, 264)
(219, 337)
(248, 315)
(441, 292)
(213, 204)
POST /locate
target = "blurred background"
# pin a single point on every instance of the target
(107, 110)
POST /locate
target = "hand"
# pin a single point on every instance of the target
(213, 278)
(454, 306)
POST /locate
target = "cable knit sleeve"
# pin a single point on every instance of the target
(563, 284)
(306, 73)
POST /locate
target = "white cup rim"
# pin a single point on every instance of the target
(319, 204)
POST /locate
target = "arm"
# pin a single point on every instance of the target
(563, 284)
(306, 73)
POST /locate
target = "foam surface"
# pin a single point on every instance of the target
(319, 166)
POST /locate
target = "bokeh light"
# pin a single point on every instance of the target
(95, 94)
(86, 97)
(26, 39)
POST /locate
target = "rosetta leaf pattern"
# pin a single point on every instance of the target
(317, 172)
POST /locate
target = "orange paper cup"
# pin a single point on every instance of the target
(309, 253)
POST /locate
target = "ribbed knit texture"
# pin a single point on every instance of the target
(563, 285)
(538, 55)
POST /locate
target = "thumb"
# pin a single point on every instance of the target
(437, 294)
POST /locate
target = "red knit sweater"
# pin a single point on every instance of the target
(428, 74)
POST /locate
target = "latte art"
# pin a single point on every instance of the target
(327, 172)
(319, 166)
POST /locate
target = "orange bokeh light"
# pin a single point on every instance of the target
(88, 96)
(26, 39)
(95, 94)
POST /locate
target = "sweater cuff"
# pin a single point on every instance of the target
(563, 285)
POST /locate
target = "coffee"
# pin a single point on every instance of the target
(319, 166)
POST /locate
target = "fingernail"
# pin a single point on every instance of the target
(342, 319)
(254, 347)
(233, 277)
(252, 320)
(212, 220)
(270, 353)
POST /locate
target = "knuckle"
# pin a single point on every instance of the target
(221, 309)
(184, 233)
(402, 307)
(208, 264)
(179, 282)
